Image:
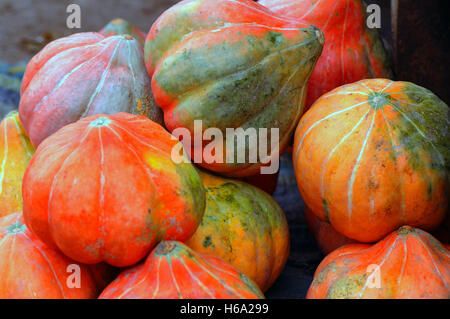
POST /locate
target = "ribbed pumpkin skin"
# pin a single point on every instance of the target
(15, 153)
(122, 27)
(327, 238)
(174, 271)
(412, 265)
(230, 64)
(106, 189)
(352, 52)
(31, 270)
(245, 227)
(81, 75)
(372, 156)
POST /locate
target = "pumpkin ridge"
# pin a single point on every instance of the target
(317, 123)
(329, 158)
(101, 82)
(353, 175)
(197, 279)
(200, 86)
(25, 141)
(169, 261)
(65, 77)
(47, 260)
(342, 44)
(101, 212)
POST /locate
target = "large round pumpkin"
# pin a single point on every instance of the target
(107, 189)
(409, 263)
(81, 75)
(372, 156)
(230, 64)
(352, 51)
(15, 153)
(174, 271)
(245, 227)
(31, 270)
(327, 238)
(122, 27)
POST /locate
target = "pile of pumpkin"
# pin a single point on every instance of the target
(109, 212)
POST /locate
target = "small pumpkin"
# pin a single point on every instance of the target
(352, 51)
(15, 153)
(120, 26)
(245, 227)
(107, 189)
(372, 156)
(231, 64)
(327, 238)
(82, 75)
(31, 270)
(174, 271)
(407, 264)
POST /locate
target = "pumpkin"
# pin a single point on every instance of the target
(327, 238)
(231, 64)
(121, 27)
(372, 156)
(81, 75)
(174, 271)
(266, 182)
(31, 270)
(352, 51)
(107, 189)
(15, 153)
(245, 227)
(409, 263)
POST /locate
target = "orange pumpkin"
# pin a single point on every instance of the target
(328, 239)
(372, 156)
(409, 263)
(174, 271)
(245, 227)
(15, 153)
(82, 75)
(31, 270)
(352, 50)
(107, 189)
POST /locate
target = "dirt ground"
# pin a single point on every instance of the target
(26, 25)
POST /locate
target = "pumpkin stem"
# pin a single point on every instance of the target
(165, 247)
(405, 230)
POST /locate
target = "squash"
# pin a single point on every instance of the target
(352, 51)
(81, 75)
(31, 270)
(15, 153)
(106, 188)
(231, 64)
(174, 271)
(245, 227)
(120, 26)
(407, 264)
(372, 156)
(327, 238)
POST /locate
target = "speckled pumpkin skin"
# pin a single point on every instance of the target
(372, 156)
(82, 75)
(231, 63)
(352, 52)
(15, 153)
(327, 238)
(174, 271)
(106, 189)
(245, 227)
(121, 27)
(31, 270)
(412, 265)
